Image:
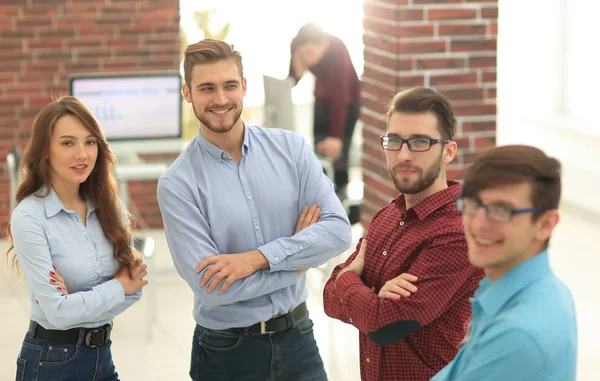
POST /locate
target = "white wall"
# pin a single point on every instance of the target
(548, 76)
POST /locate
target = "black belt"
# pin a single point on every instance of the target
(278, 323)
(92, 337)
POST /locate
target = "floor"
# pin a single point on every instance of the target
(159, 350)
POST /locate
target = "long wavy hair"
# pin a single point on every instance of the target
(100, 188)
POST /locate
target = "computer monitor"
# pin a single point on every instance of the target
(279, 107)
(139, 113)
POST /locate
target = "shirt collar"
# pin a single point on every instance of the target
(218, 153)
(53, 204)
(492, 296)
(432, 203)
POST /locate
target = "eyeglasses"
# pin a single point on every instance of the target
(499, 213)
(392, 143)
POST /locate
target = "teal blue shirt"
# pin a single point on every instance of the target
(524, 329)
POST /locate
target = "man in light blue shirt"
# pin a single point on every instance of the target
(523, 326)
(230, 205)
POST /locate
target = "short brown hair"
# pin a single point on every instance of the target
(209, 51)
(421, 100)
(516, 164)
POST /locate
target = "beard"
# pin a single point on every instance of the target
(218, 130)
(424, 181)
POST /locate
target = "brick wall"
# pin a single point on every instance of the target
(42, 42)
(446, 44)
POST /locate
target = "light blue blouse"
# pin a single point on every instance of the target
(45, 233)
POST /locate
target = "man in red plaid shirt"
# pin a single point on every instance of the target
(407, 290)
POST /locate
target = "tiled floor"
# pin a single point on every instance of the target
(165, 356)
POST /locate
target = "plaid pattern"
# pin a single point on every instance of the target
(428, 242)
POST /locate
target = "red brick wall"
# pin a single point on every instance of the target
(449, 45)
(44, 41)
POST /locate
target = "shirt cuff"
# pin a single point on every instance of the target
(114, 293)
(345, 281)
(272, 251)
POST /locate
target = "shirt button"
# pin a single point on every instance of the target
(373, 288)
(401, 223)
(257, 227)
(368, 359)
(384, 253)
(276, 258)
(341, 301)
(350, 320)
(301, 247)
(249, 197)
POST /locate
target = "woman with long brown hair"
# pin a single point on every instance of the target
(72, 240)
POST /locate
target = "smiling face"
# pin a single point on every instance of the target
(499, 246)
(216, 93)
(73, 152)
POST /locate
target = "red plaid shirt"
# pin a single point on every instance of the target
(426, 241)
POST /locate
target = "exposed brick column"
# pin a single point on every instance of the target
(42, 42)
(449, 45)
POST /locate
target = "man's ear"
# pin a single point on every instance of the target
(450, 150)
(186, 93)
(546, 224)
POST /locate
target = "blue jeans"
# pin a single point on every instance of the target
(44, 360)
(222, 355)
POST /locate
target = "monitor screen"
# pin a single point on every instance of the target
(279, 108)
(132, 107)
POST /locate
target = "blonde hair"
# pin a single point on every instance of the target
(209, 51)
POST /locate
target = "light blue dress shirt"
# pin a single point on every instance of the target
(524, 329)
(45, 233)
(211, 205)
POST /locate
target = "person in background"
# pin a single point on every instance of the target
(337, 94)
(524, 326)
(73, 242)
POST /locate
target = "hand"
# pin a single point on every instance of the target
(230, 267)
(58, 281)
(308, 216)
(134, 282)
(399, 287)
(358, 264)
(331, 148)
(298, 64)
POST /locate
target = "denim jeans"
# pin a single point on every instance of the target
(44, 360)
(223, 355)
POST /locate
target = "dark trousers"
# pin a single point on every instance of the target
(45, 360)
(231, 355)
(321, 128)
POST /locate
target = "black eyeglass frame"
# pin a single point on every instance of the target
(385, 139)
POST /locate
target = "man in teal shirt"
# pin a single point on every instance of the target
(523, 325)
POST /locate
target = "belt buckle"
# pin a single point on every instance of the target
(263, 328)
(88, 338)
